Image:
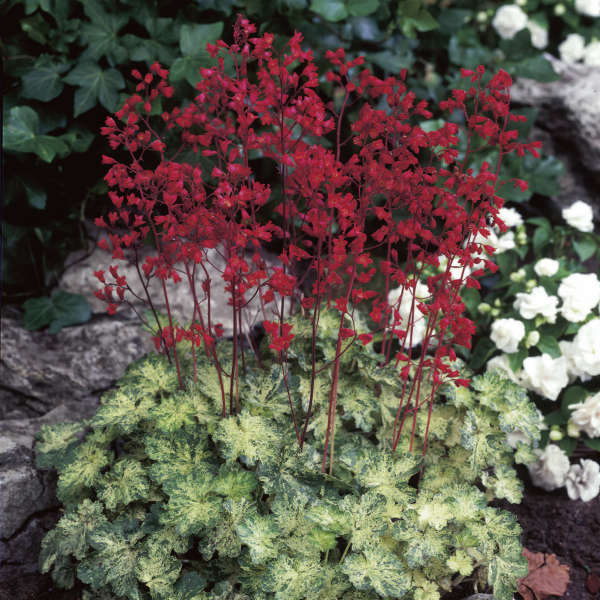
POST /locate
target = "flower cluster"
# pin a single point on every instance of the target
(359, 188)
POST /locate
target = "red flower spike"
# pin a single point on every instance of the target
(321, 219)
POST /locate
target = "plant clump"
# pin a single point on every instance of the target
(165, 500)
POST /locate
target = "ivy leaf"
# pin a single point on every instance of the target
(412, 16)
(95, 85)
(36, 195)
(22, 134)
(330, 10)
(60, 310)
(193, 38)
(43, 81)
(39, 312)
(101, 34)
(362, 8)
(70, 309)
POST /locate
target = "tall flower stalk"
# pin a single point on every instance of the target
(360, 187)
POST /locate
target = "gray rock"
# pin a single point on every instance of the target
(39, 371)
(79, 279)
(570, 117)
(48, 379)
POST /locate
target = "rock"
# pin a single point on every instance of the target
(481, 597)
(79, 279)
(570, 115)
(39, 371)
(48, 379)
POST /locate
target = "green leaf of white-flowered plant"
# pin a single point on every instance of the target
(378, 569)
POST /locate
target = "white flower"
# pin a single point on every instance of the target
(571, 50)
(539, 34)
(591, 55)
(421, 293)
(500, 364)
(508, 20)
(569, 352)
(580, 292)
(501, 244)
(546, 267)
(583, 480)
(507, 333)
(511, 217)
(589, 8)
(545, 375)
(580, 216)
(456, 269)
(586, 347)
(537, 302)
(550, 470)
(587, 415)
(533, 337)
(505, 242)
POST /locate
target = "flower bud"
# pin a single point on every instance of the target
(532, 339)
(572, 429)
(556, 434)
(560, 10)
(481, 16)
(497, 303)
(517, 275)
(531, 283)
(484, 308)
(521, 2)
(495, 312)
(521, 238)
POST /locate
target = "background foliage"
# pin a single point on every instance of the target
(67, 64)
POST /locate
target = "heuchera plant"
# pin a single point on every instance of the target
(357, 179)
(165, 500)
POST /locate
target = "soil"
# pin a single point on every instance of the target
(554, 524)
(551, 523)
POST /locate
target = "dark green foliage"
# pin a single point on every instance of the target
(165, 501)
(60, 310)
(68, 63)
